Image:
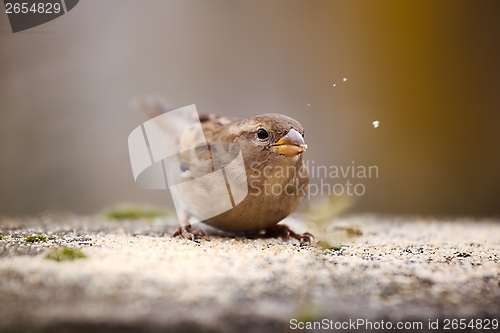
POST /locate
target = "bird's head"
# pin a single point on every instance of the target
(270, 136)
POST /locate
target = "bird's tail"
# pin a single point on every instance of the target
(173, 125)
(151, 107)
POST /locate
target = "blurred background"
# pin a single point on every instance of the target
(429, 71)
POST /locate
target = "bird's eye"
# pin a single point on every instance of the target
(262, 134)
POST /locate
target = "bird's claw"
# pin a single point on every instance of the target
(283, 231)
(187, 233)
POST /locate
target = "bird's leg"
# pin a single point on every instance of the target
(283, 231)
(186, 232)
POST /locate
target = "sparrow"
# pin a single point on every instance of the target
(274, 172)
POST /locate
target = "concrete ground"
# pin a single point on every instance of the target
(402, 271)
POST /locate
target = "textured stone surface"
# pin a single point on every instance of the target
(138, 279)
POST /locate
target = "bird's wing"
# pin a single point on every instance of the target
(196, 160)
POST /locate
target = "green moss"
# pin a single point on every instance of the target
(64, 253)
(329, 244)
(36, 238)
(351, 232)
(2, 237)
(308, 312)
(134, 213)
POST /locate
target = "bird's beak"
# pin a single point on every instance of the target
(291, 144)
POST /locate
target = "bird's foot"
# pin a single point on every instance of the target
(283, 231)
(186, 232)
